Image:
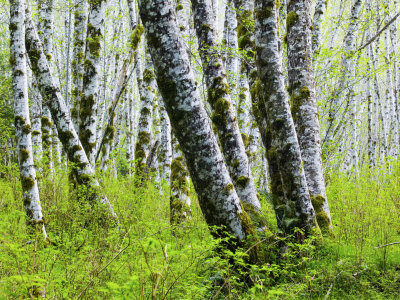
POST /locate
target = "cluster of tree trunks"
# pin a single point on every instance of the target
(179, 137)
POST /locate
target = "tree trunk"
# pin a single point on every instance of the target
(90, 88)
(45, 25)
(304, 105)
(80, 24)
(165, 143)
(147, 88)
(180, 197)
(52, 97)
(320, 8)
(219, 98)
(217, 196)
(21, 115)
(283, 151)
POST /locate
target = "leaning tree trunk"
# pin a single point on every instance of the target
(80, 24)
(283, 151)
(223, 117)
(90, 88)
(52, 97)
(216, 193)
(304, 105)
(21, 115)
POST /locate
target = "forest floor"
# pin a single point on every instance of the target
(145, 258)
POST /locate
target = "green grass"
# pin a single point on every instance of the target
(145, 258)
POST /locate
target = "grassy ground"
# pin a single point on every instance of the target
(145, 258)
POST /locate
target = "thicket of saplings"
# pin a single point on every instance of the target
(144, 257)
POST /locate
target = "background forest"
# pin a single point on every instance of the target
(199, 150)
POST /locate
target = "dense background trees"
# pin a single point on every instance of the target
(139, 123)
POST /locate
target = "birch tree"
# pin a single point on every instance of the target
(23, 130)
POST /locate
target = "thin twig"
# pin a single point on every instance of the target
(390, 244)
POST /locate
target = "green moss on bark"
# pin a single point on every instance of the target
(291, 19)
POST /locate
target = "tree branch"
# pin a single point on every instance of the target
(379, 32)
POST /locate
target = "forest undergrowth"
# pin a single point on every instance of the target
(144, 257)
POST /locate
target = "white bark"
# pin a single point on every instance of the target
(223, 117)
(147, 87)
(52, 97)
(304, 104)
(217, 197)
(319, 12)
(21, 115)
(90, 97)
(80, 24)
(288, 182)
(165, 143)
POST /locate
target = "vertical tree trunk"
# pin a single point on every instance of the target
(319, 12)
(147, 87)
(165, 143)
(45, 25)
(304, 104)
(219, 98)
(371, 101)
(52, 97)
(180, 197)
(283, 151)
(21, 115)
(216, 194)
(230, 40)
(90, 97)
(36, 114)
(80, 24)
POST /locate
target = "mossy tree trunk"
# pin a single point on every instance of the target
(304, 104)
(52, 97)
(21, 115)
(147, 86)
(36, 114)
(81, 8)
(45, 26)
(157, 139)
(292, 199)
(180, 197)
(90, 88)
(223, 116)
(217, 196)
